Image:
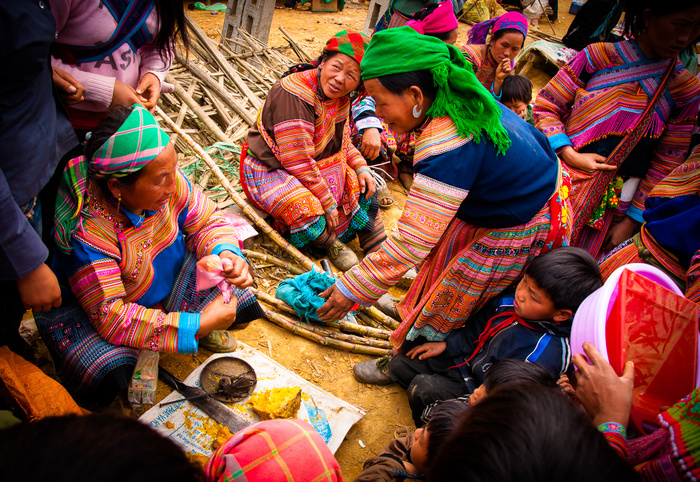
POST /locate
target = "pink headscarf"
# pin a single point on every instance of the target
(442, 20)
(514, 20)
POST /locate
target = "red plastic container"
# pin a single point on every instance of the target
(657, 330)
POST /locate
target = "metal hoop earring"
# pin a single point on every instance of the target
(119, 202)
(417, 111)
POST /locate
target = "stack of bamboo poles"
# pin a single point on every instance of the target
(371, 337)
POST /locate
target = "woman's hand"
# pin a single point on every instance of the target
(503, 70)
(588, 162)
(39, 290)
(331, 220)
(70, 90)
(217, 315)
(336, 307)
(125, 95)
(371, 143)
(619, 233)
(367, 185)
(149, 90)
(427, 350)
(605, 396)
(238, 274)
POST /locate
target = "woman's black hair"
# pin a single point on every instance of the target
(516, 88)
(527, 433)
(634, 14)
(505, 372)
(104, 448)
(104, 130)
(500, 33)
(171, 17)
(424, 12)
(398, 83)
(301, 67)
(443, 420)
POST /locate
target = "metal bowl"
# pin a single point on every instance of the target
(227, 367)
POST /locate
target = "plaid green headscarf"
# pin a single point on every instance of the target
(459, 94)
(137, 142)
(349, 43)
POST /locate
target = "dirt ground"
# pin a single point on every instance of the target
(386, 407)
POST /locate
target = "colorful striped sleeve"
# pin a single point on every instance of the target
(295, 139)
(674, 143)
(100, 292)
(205, 228)
(430, 207)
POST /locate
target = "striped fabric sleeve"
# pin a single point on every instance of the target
(554, 101)
(99, 289)
(429, 208)
(671, 150)
(295, 140)
(616, 435)
(354, 159)
(205, 227)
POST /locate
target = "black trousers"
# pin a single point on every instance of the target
(426, 381)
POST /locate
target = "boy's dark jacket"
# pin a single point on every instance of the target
(546, 343)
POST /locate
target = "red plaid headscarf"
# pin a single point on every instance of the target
(350, 43)
(274, 451)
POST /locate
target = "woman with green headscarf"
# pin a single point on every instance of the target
(129, 229)
(488, 193)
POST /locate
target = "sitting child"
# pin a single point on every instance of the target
(516, 94)
(533, 324)
(407, 455)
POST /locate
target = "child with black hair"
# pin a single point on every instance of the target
(533, 324)
(516, 94)
(407, 456)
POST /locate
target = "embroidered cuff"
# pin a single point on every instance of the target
(350, 295)
(363, 169)
(187, 329)
(219, 248)
(369, 123)
(559, 140)
(613, 427)
(635, 213)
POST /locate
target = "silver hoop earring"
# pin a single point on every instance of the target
(417, 111)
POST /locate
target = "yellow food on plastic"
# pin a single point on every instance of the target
(277, 403)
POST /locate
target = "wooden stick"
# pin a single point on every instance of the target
(273, 260)
(293, 252)
(547, 17)
(225, 95)
(369, 322)
(197, 109)
(295, 45)
(298, 329)
(341, 324)
(210, 47)
(383, 319)
(183, 110)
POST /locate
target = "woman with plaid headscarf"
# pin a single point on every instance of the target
(129, 228)
(299, 163)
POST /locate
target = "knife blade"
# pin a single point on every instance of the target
(214, 409)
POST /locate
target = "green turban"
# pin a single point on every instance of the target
(459, 94)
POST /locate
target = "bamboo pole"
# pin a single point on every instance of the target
(296, 46)
(273, 260)
(183, 111)
(383, 319)
(224, 64)
(300, 330)
(340, 324)
(293, 252)
(225, 95)
(197, 109)
(360, 316)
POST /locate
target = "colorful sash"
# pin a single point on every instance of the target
(130, 16)
(616, 158)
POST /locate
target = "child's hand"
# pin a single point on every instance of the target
(70, 90)
(605, 396)
(565, 386)
(427, 350)
(149, 90)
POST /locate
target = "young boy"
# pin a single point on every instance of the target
(408, 454)
(533, 324)
(516, 94)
